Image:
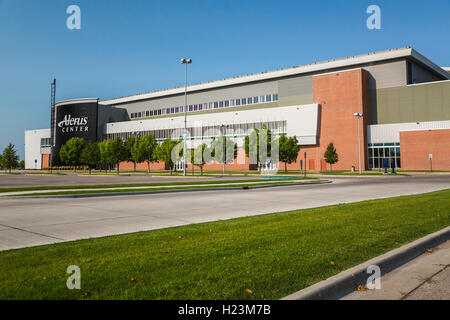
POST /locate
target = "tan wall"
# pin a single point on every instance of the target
(414, 103)
(415, 147)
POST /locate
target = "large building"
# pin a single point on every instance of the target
(403, 96)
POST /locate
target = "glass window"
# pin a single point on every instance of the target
(243, 101)
(216, 105)
(249, 100)
(268, 98)
(238, 102)
(232, 102)
(375, 152)
(275, 97)
(255, 99)
(391, 152)
(221, 104)
(370, 152)
(376, 163)
(262, 99)
(227, 103)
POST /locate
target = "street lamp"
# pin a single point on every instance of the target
(359, 116)
(224, 141)
(185, 62)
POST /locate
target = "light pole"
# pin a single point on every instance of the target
(224, 149)
(359, 116)
(185, 62)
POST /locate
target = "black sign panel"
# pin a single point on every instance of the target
(75, 120)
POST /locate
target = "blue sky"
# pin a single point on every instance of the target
(128, 47)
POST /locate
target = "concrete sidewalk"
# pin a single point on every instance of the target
(425, 278)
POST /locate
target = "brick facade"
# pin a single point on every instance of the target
(415, 147)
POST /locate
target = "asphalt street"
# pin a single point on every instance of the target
(31, 222)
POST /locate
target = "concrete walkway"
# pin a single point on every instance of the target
(425, 278)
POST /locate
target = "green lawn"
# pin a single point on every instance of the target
(261, 257)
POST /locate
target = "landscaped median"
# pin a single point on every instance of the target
(260, 257)
(153, 187)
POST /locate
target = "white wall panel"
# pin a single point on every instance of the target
(382, 133)
(33, 147)
(302, 121)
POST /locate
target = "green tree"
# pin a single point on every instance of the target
(164, 152)
(9, 158)
(198, 156)
(145, 150)
(252, 145)
(90, 155)
(223, 150)
(104, 148)
(289, 149)
(331, 155)
(191, 158)
(117, 153)
(129, 144)
(71, 151)
(21, 164)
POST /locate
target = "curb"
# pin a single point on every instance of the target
(347, 281)
(106, 194)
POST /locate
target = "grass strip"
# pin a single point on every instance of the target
(102, 186)
(233, 186)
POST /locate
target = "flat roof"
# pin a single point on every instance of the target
(75, 101)
(296, 70)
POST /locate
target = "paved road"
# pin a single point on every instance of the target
(30, 222)
(425, 278)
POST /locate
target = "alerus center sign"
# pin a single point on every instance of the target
(70, 124)
(76, 119)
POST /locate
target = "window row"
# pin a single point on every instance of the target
(207, 132)
(207, 106)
